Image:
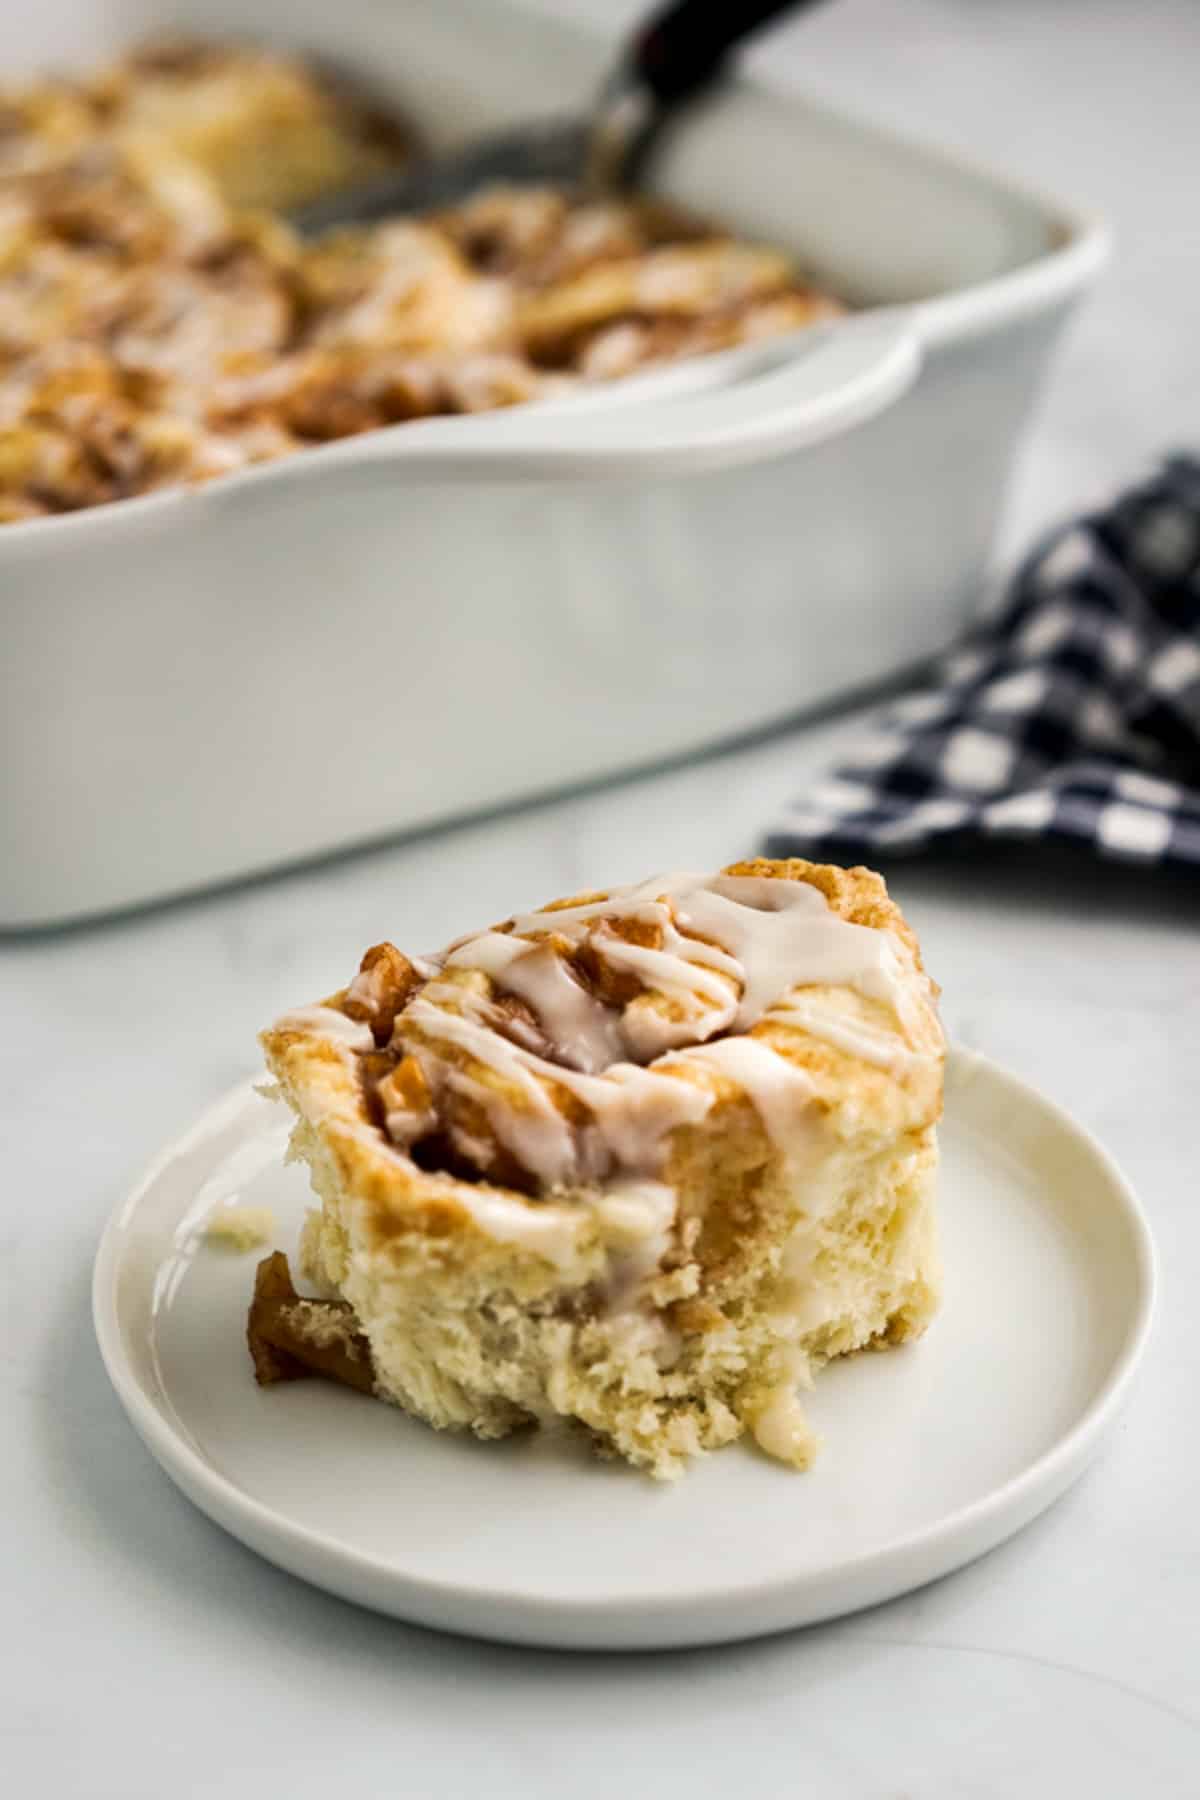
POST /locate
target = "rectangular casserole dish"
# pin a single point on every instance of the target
(422, 622)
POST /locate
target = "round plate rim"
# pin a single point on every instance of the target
(593, 1623)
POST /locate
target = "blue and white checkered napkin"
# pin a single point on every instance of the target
(1072, 714)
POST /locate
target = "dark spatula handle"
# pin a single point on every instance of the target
(681, 48)
(676, 54)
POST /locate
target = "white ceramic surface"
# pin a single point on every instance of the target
(933, 1454)
(590, 589)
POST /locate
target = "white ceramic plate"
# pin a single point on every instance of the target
(933, 1453)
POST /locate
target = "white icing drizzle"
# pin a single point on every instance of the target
(727, 952)
(769, 935)
(635, 1212)
(368, 986)
(635, 1219)
(857, 1036)
(784, 934)
(639, 902)
(673, 971)
(327, 1022)
(632, 1109)
(533, 1129)
(586, 1033)
(551, 1229)
(491, 951)
(405, 1126)
(757, 940)
(782, 1094)
(548, 1230)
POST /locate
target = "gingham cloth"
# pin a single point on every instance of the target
(1073, 713)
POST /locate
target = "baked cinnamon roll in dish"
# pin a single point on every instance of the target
(162, 324)
(644, 1160)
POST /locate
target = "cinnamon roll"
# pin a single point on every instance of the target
(642, 1160)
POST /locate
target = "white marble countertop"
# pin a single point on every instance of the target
(148, 1657)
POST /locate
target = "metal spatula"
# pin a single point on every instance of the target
(676, 55)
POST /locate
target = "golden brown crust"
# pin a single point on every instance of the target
(858, 895)
(385, 981)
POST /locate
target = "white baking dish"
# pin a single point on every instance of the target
(411, 625)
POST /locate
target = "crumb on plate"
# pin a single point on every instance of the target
(240, 1227)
